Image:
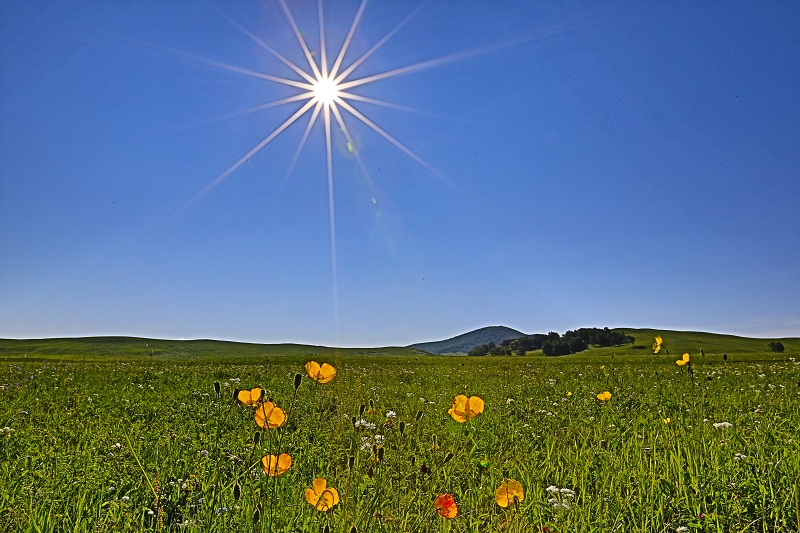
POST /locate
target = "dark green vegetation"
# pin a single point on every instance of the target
(573, 341)
(146, 444)
(467, 341)
(776, 346)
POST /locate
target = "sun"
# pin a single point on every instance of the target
(325, 90)
(323, 94)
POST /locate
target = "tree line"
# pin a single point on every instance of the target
(573, 341)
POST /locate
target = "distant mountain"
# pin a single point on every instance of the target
(467, 341)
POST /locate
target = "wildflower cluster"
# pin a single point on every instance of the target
(560, 498)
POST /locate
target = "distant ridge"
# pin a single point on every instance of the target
(467, 341)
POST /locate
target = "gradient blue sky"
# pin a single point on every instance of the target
(630, 164)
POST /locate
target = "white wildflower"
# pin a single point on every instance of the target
(722, 425)
(366, 444)
(391, 414)
(361, 423)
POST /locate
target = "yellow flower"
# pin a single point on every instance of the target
(446, 506)
(666, 420)
(276, 465)
(249, 397)
(270, 416)
(320, 374)
(684, 361)
(604, 396)
(657, 344)
(464, 408)
(321, 496)
(508, 492)
(569, 394)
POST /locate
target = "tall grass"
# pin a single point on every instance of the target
(147, 446)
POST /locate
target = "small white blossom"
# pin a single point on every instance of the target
(722, 425)
(204, 453)
(361, 423)
(391, 414)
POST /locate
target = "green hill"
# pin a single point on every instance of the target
(467, 341)
(124, 348)
(109, 348)
(679, 342)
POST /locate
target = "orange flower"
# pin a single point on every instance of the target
(276, 465)
(321, 496)
(446, 506)
(249, 397)
(684, 361)
(464, 408)
(604, 396)
(269, 416)
(509, 491)
(320, 374)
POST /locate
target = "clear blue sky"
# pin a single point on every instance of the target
(625, 164)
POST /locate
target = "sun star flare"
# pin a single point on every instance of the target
(322, 93)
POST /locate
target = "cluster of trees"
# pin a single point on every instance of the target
(573, 341)
(776, 346)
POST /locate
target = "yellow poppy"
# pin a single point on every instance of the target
(683, 361)
(509, 491)
(249, 397)
(464, 408)
(446, 506)
(321, 496)
(320, 374)
(269, 416)
(276, 465)
(657, 344)
(604, 396)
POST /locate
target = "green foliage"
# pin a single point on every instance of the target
(101, 446)
(776, 346)
(483, 349)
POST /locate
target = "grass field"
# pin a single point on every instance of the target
(133, 442)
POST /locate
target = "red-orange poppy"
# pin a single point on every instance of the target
(446, 506)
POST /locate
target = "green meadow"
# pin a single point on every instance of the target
(99, 435)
